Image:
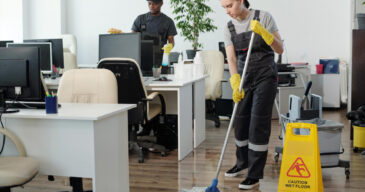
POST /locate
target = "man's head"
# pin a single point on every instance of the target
(155, 6)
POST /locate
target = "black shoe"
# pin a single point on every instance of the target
(234, 172)
(249, 183)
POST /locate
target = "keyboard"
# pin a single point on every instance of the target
(26, 104)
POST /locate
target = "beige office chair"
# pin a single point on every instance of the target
(214, 67)
(87, 86)
(16, 171)
(69, 52)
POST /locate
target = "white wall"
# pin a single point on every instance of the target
(42, 18)
(11, 20)
(311, 29)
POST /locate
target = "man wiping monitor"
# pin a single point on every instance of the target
(155, 23)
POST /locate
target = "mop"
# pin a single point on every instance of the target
(213, 187)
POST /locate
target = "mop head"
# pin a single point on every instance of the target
(195, 189)
(211, 188)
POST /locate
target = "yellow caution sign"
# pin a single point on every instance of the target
(301, 164)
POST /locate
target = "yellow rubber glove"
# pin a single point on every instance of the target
(259, 29)
(167, 48)
(114, 31)
(235, 81)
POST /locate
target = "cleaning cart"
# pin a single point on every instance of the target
(329, 132)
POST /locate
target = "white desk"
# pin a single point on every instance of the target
(82, 140)
(185, 98)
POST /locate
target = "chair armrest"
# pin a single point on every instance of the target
(19, 145)
(151, 96)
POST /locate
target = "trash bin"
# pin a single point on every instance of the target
(329, 140)
(359, 135)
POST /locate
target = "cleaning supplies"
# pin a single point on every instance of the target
(179, 68)
(198, 66)
(165, 60)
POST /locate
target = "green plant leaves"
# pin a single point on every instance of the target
(192, 19)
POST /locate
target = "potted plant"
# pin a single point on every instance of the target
(192, 19)
(361, 18)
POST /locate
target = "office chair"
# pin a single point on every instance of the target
(131, 89)
(16, 171)
(214, 67)
(87, 86)
(69, 52)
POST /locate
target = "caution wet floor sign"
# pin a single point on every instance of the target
(301, 165)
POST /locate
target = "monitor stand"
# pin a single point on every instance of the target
(3, 108)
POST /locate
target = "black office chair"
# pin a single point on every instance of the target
(131, 89)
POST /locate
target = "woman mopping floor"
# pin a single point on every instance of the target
(252, 122)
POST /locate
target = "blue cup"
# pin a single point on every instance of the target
(51, 105)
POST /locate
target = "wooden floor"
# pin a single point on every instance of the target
(160, 174)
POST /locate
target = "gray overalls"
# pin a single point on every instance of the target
(253, 118)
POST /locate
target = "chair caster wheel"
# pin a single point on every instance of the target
(217, 124)
(50, 178)
(163, 154)
(347, 172)
(276, 157)
(356, 149)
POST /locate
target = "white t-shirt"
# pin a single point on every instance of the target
(266, 21)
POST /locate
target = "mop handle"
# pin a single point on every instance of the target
(235, 105)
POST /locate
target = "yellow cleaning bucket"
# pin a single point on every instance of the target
(301, 165)
(359, 136)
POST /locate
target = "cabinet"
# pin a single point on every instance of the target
(358, 69)
(226, 87)
(282, 96)
(327, 86)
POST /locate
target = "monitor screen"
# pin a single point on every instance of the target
(13, 73)
(45, 53)
(57, 50)
(3, 43)
(126, 45)
(33, 92)
(147, 57)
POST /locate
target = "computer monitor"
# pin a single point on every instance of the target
(155, 38)
(147, 57)
(57, 50)
(34, 91)
(126, 45)
(157, 45)
(3, 43)
(222, 49)
(13, 73)
(45, 54)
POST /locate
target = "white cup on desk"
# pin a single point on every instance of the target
(178, 71)
(188, 70)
